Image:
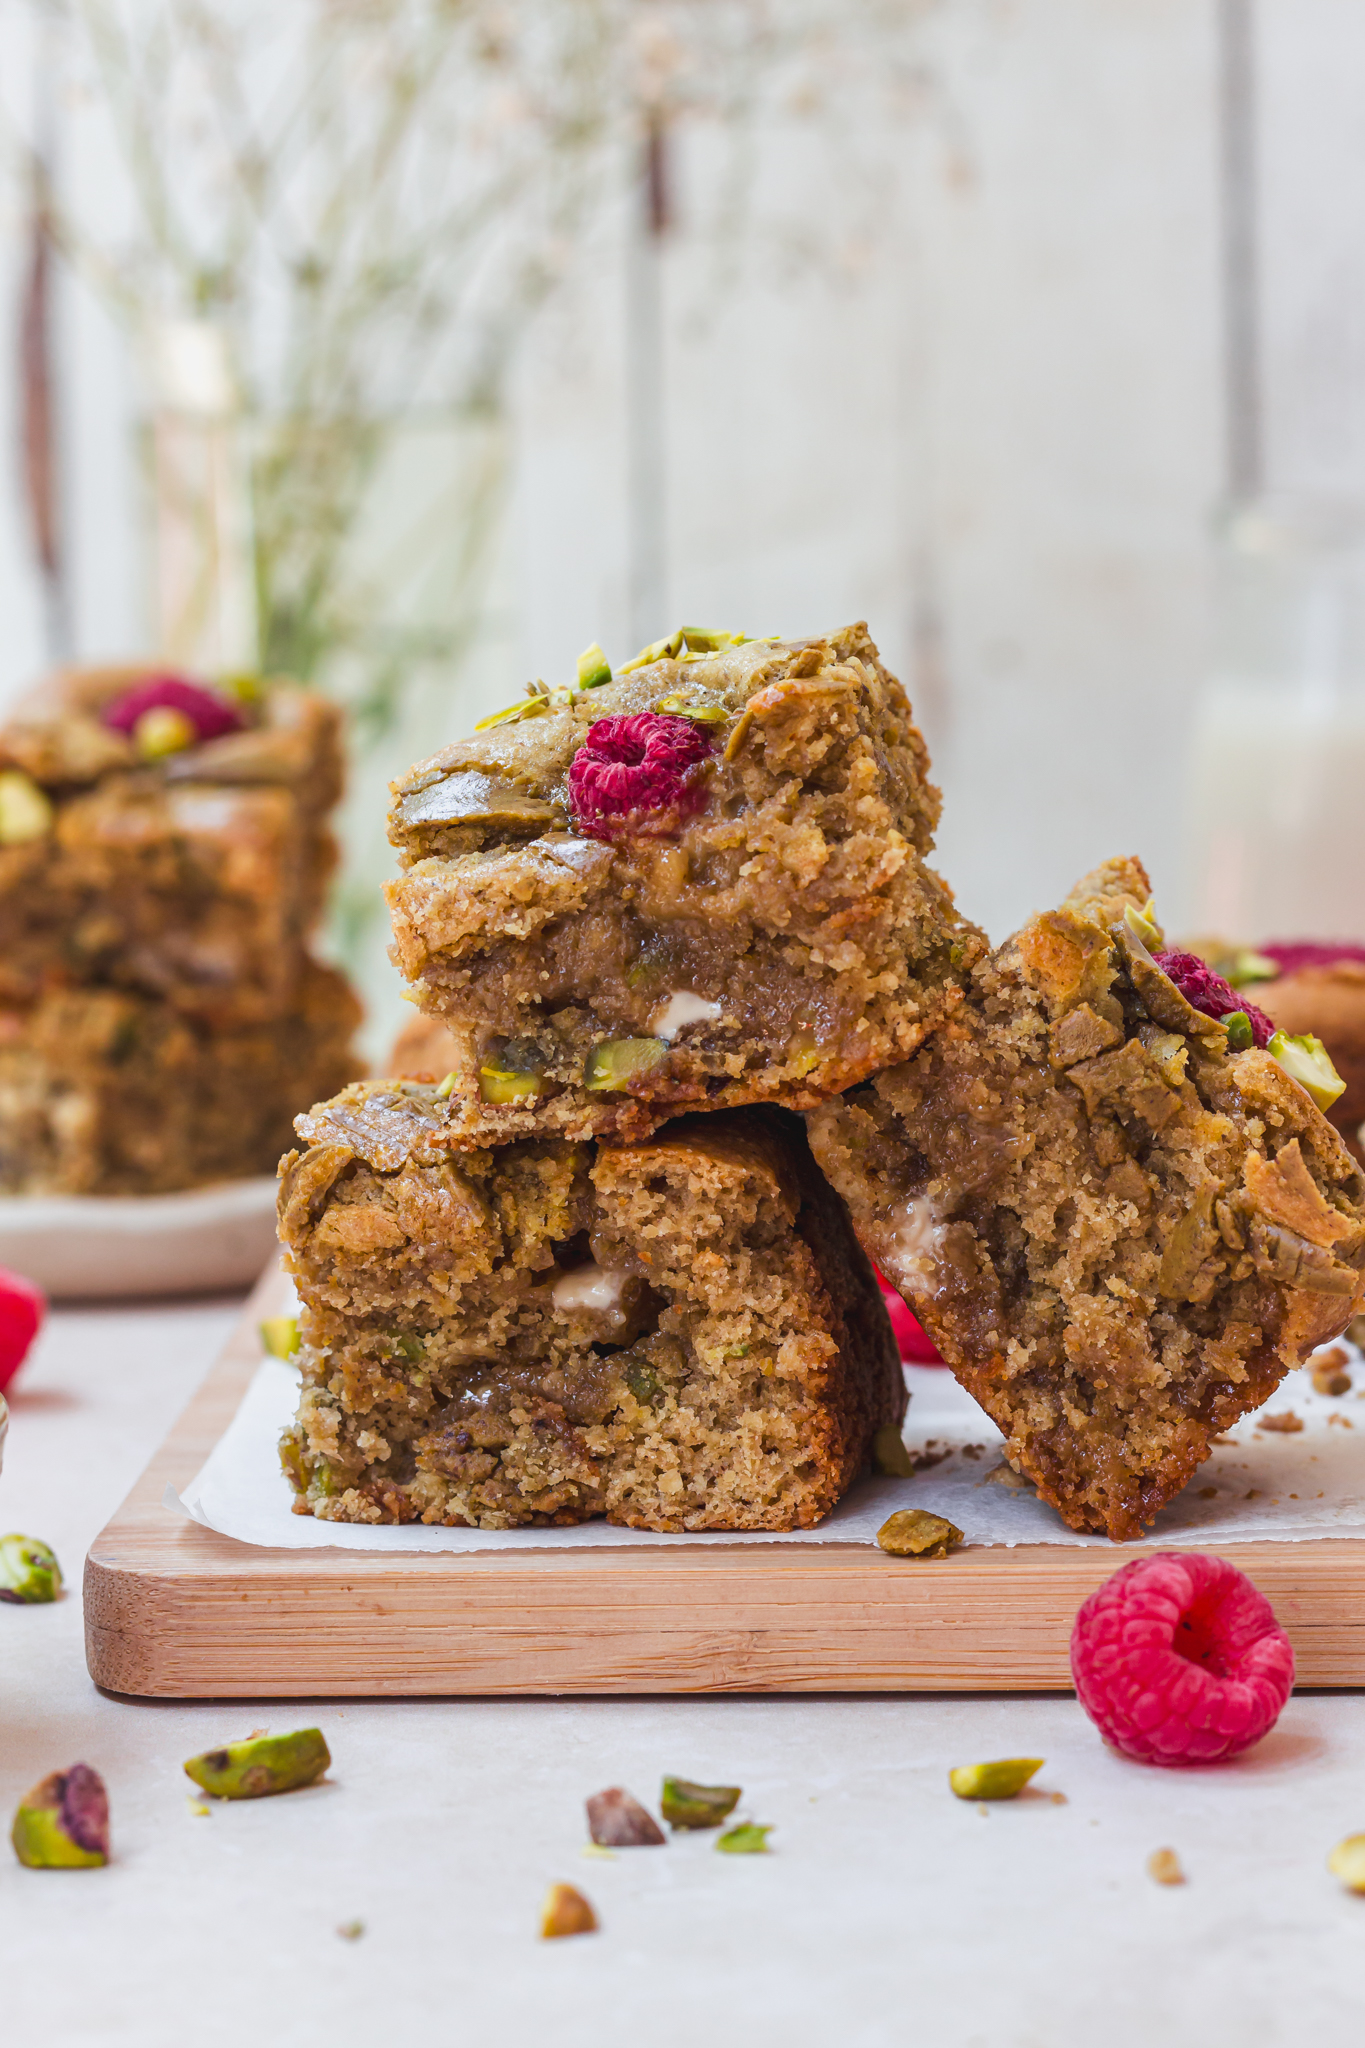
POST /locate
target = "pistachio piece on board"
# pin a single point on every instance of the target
(262, 1765)
(1164, 1867)
(1347, 1861)
(617, 1821)
(916, 1533)
(686, 1805)
(1004, 1779)
(25, 812)
(618, 1062)
(280, 1336)
(30, 1575)
(745, 1840)
(566, 1911)
(889, 1454)
(63, 1823)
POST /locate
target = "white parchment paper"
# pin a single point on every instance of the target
(1259, 1485)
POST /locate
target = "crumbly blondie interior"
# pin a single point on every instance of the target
(195, 878)
(106, 1092)
(1120, 1232)
(681, 1334)
(779, 938)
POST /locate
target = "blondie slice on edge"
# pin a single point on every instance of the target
(103, 1092)
(1119, 1233)
(681, 1334)
(761, 926)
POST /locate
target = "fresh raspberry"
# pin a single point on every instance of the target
(640, 774)
(1208, 993)
(22, 1308)
(209, 714)
(1179, 1660)
(1291, 956)
(917, 1346)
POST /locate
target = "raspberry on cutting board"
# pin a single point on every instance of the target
(1178, 1659)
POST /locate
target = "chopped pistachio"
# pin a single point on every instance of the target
(890, 1455)
(506, 1084)
(163, 730)
(685, 1805)
(351, 1930)
(245, 685)
(566, 1911)
(1347, 1861)
(447, 1087)
(916, 1533)
(1143, 925)
(619, 1061)
(745, 1840)
(1247, 966)
(25, 812)
(643, 1382)
(657, 650)
(410, 1348)
(63, 1823)
(1163, 1865)
(1004, 1779)
(593, 668)
(700, 714)
(1307, 1060)
(529, 707)
(261, 1766)
(280, 1336)
(1241, 1037)
(30, 1575)
(618, 1821)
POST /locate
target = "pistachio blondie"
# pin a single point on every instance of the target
(103, 1091)
(1116, 1212)
(165, 837)
(699, 883)
(678, 1334)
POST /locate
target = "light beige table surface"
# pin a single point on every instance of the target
(889, 1912)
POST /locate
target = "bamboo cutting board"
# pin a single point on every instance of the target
(175, 1611)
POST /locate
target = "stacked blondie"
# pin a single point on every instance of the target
(587, 1265)
(582, 1260)
(164, 852)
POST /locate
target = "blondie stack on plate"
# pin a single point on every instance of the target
(164, 850)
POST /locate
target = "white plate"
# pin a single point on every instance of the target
(103, 1246)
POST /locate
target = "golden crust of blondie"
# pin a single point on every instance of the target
(781, 943)
(1119, 1232)
(679, 1335)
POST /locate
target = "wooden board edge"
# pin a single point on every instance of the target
(176, 1611)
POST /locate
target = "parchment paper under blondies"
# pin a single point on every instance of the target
(1291, 1486)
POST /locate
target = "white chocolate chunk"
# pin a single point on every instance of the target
(682, 1007)
(591, 1287)
(910, 1253)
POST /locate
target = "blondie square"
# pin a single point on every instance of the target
(679, 1334)
(1119, 1228)
(185, 861)
(697, 884)
(106, 1092)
